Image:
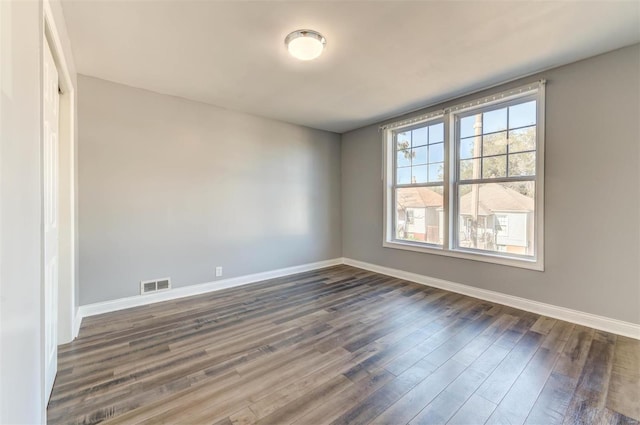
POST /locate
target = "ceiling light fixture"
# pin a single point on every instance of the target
(305, 44)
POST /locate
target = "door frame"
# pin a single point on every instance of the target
(68, 323)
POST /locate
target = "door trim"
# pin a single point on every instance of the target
(67, 304)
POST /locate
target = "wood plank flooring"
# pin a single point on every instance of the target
(342, 346)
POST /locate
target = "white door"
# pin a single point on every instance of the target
(50, 189)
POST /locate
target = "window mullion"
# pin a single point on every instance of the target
(499, 180)
(450, 173)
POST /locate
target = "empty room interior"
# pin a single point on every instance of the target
(319, 212)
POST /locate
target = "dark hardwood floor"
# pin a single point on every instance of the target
(342, 346)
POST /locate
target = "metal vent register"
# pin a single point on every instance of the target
(148, 286)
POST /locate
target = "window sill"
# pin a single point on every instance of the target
(484, 258)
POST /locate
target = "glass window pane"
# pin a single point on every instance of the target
(436, 153)
(494, 144)
(419, 174)
(494, 121)
(497, 217)
(436, 172)
(522, 115)
(419, 214)
(494, 166)
(469, 169)
(522, 164)
(523, 139)
(468, 125)
(404, 158)
(467, 147)
(436, 133)
(404, 175)
(419, 137)
(403, 140)
(419, 155)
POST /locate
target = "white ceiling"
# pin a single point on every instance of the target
(382, 57)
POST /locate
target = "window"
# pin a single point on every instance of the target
(467, 181)
(418, 185)
(503, 225)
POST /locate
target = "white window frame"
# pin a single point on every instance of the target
(449, 247)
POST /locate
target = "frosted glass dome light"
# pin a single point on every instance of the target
(305, 44)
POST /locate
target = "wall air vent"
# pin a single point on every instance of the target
(149, 286)
(163, 284)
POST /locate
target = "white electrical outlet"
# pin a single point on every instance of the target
(218, 271)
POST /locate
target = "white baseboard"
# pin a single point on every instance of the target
(187, 291)
(77, 321)
(618, 327)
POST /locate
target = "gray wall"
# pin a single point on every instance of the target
(170, 187)
(21, 366)
(592, 202)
